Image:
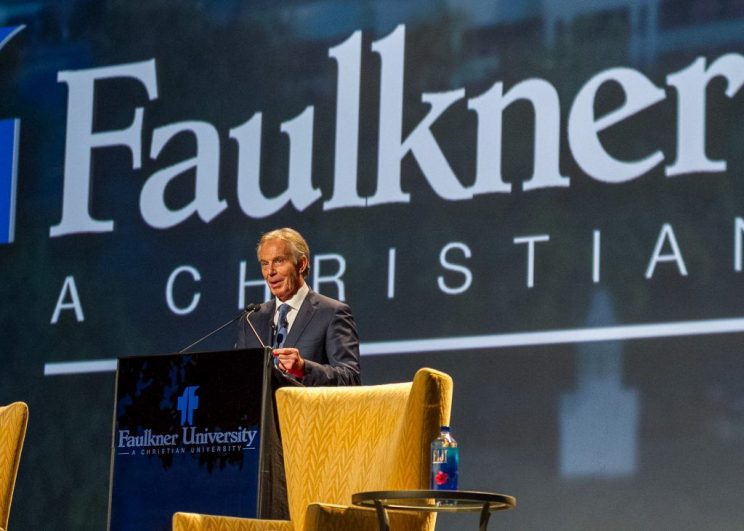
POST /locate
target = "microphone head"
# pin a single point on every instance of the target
(252, 308)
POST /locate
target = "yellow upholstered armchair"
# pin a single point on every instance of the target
(13, 421)
(342, 440)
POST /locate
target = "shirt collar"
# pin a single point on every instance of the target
(296, 300)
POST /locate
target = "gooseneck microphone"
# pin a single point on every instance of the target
(247, 311)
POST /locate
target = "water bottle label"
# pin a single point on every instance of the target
(444, 469)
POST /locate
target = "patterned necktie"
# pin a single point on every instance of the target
(282, 326)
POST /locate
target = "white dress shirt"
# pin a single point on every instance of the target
(294, 306)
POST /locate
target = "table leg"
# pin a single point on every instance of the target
(382, 516)
(485, 515)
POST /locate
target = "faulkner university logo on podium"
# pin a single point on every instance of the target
(186, 437)
(187, 403)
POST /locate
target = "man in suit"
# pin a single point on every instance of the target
(314, 337)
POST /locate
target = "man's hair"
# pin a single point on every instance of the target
(297, 244)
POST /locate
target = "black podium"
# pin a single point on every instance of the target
(192, 432)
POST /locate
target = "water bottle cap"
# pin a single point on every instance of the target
(445, 428)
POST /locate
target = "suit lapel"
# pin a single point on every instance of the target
(304, 316)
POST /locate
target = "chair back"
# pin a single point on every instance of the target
(13, 421)
(342, 440)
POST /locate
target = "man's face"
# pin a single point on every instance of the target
(278, 270)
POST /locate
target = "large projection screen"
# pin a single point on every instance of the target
(544, 199)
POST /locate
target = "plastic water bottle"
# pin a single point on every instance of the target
(445, 459)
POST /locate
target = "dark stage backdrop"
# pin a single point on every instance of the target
(543, 199)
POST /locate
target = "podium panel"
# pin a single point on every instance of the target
(186, 437)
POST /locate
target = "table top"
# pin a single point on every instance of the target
(435, 500)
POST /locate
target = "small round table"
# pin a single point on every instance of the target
(452, 501)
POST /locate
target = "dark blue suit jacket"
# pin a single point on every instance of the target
(325, 334)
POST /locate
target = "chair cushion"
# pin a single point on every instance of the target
(208, 522)
(330, 517)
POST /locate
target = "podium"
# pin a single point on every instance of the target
(192, 432)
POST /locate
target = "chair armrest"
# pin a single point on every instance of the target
(208, 522)
(332, 517)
